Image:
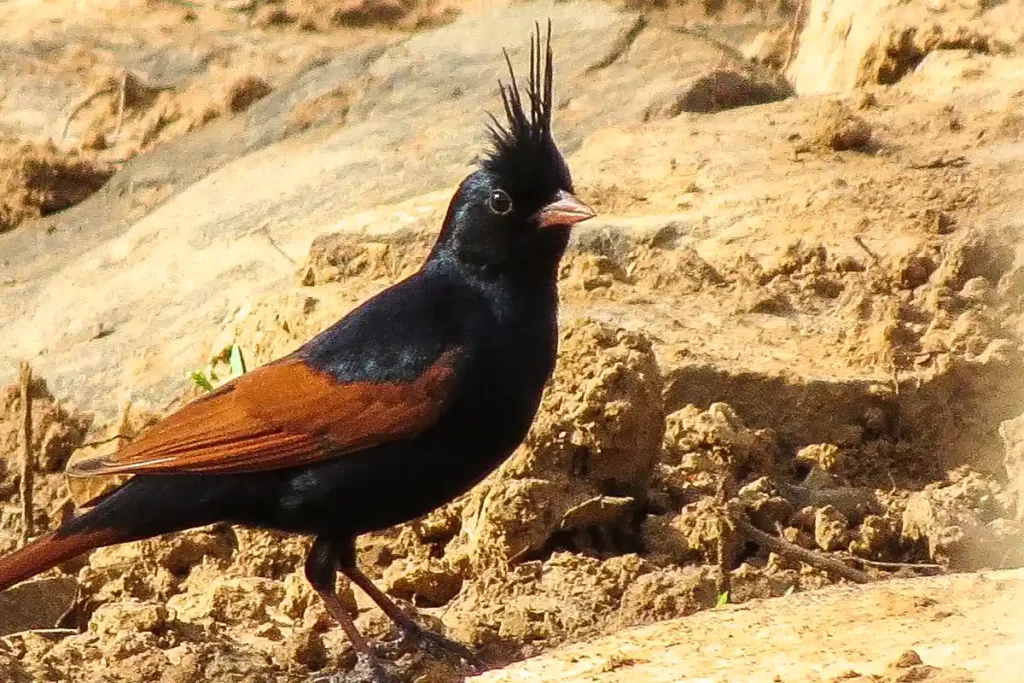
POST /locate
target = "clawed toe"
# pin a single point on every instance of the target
(433, 644)
(368, 669)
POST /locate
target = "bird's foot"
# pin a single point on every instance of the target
(414, 636)
(368, 669)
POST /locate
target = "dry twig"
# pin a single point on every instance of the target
(808, 557)
(123, 428)
(898, 565)
(622, 43)
(794, 38)
(27, 461)
(102, 90)
(120, 104)
(863, 245)
(265, 229)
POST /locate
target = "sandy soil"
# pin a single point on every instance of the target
(958, 628)
(801, 314)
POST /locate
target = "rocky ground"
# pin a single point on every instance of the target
(791, 342)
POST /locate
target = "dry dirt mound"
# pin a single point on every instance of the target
(39, 180)
(328, 14)
(122, 116)
(613, 513)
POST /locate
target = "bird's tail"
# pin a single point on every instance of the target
(143, 507)
(50, 550)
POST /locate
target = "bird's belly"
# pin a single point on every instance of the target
(386, 485)
(420, 475)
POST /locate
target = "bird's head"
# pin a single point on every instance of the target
(515, 212)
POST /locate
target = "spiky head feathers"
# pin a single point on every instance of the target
(514, 213)
(523, 151)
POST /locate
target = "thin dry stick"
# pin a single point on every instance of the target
(120, 103)
(43, 632)
(102, 442)
(124, 424)
(863, 245)
(898, 565)
(726, 555)
(703, 35)
(794, 38)
(27, 462)
(787, 549)
(82, 104)
(265, 229)
(123, 428)
(930, 566)
(622, 43)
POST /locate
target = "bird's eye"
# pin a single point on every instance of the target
(499, 202)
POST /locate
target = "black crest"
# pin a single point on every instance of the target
(523, 146)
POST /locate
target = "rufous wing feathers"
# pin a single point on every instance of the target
(281, 415)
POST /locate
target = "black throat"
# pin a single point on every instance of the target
(532, 270)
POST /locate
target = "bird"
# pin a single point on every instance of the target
(404, 404)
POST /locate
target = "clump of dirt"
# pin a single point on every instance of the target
(323, 15)
(900, 51)
(122, 116)
(242, 91)
(906, 668)
(39, 179)
(575, 484)
(839, 129)
(269, 15)
(330, 106)
(739, 85)
(538, 604)
(953, 322)
(212, 603)
(964, 523)
(1012, 433)
(612, 261)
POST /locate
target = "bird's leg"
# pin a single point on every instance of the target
(412, 632)
(321, 567)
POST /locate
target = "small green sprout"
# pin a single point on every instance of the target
(198, 377)
(210, 377)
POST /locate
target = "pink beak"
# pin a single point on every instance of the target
(565, 210)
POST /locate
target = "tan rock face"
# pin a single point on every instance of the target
(843, 45)
(953, 523)
(1012, 432)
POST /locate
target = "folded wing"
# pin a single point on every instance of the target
(282, 415)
